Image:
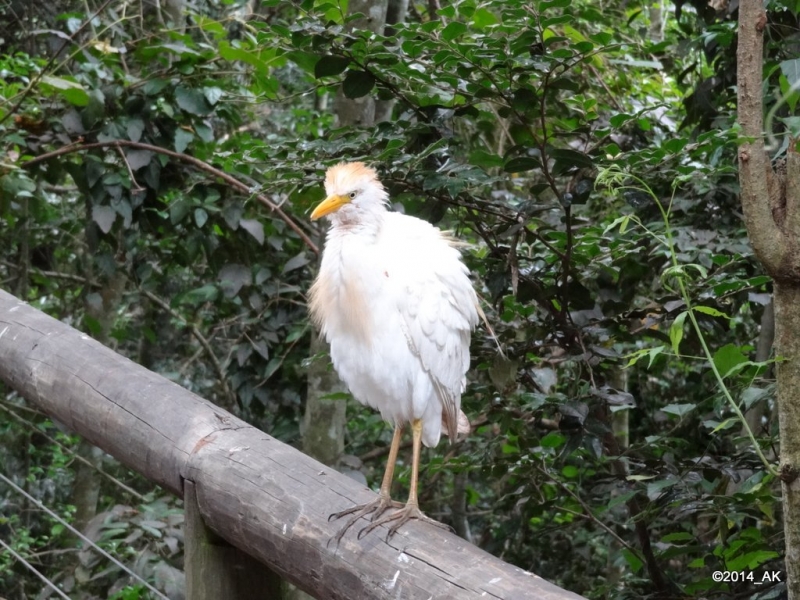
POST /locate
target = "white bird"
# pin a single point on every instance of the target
(396, 304)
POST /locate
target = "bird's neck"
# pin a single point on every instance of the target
(364, 223)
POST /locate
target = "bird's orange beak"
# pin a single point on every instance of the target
(329, 205)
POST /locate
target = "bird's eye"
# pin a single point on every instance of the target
(352, 195)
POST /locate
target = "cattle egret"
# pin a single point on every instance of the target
(396, 304)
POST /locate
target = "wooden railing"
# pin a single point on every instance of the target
(266, 500)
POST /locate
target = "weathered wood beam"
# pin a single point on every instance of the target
(262, 496)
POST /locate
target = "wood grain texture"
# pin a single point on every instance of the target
(262, 496)
(216, 570)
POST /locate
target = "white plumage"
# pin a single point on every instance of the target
(395, 303)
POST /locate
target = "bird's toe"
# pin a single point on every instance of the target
(400, 518)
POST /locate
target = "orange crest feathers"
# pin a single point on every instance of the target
(344, 175)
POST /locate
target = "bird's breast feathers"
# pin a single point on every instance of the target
(407, 277)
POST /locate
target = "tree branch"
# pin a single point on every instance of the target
(763, 207)
(191, 160)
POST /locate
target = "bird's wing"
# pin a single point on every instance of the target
(438, 307)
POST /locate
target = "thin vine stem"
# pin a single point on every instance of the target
(610, 175)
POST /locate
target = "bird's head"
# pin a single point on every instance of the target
(354, 192)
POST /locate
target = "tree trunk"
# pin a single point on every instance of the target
(771, 206)
(395, 13)
(86, 489)
(101, 307)
(656, 13)
(361, 111)
(766, 339)
(787, 346)
(325, 419)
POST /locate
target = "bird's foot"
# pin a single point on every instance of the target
(375, 508)
(401, 517)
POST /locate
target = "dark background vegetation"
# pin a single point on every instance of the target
(605, 456)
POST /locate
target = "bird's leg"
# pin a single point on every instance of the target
(411, 509)
(384, 500)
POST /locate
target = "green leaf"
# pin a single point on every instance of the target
(213, 94)
(17, 183)
(552, 440)
(652, 353)
(676, 331)
(524, 99)
(570, 471)
(697, 563)
(192, 101)
(654, 488)
(154, 87)
(634, 562)
(728, 358)
(453, 30)
(521, 164)
(707, 310)
(260, 60)
(601, 38)
(675, 145)
(104, 216)
(792, 123)
(135, 128)
(640, 477)
(752, 395)
(622, 221)
(726, 424)
(357, 84)
(329, 66)
(509, 449)
(206, 293)
(297, 261)
(679, 536)
(200, 216)
(73, 92)
(138, 159)
(483, 17)
(485, 159)
(750, 560)
(178, 211)
(571, 158)
(791, 70)
(204, 132)
(305, 60)
(557, 20)
(233, 277)
(182, 139)
(254, 228)
(679, 410)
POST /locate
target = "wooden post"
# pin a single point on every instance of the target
(215, 570)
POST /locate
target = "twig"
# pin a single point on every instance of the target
(135, 187)
(50, 62)
(589, 514)
(203, 342)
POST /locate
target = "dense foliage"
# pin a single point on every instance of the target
(584, 149)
